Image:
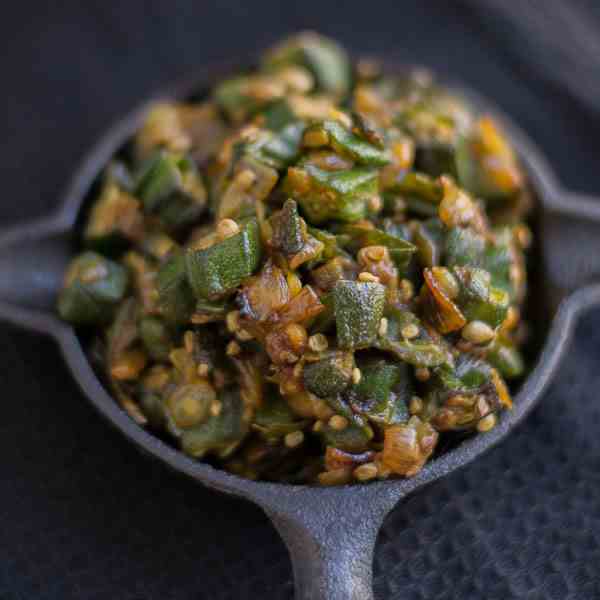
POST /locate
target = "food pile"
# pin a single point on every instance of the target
(314, 275)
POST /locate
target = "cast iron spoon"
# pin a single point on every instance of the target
(330, 532)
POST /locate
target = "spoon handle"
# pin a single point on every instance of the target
(33, 259)
(570, 236)
(331, 539)
(333, 563)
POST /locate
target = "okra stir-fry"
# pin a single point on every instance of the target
(315, 274)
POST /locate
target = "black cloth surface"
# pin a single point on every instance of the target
(84, 516)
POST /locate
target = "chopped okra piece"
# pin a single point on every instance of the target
(311, 274)
(217, 270)
(93, 288)
(358, 310)
(330, 375)
(275, 419)
(176, 300)
(458, 398)
(400, 249)
(325, 195)
(170, 187)
(221, 433)
(326, 61)
(345, 142)
(156, 337)
(383, 392)
(115, 222)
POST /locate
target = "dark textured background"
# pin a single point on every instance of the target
(84, 516)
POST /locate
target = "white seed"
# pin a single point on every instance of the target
(188, 341)
(422, 373)
(338, 422)
(375, 203)
(202, 369)
(366, 472)
(383, 326)
(232, 320)
(226, 228)
(407, 289)
(294, 439)
(410, 331)
(233, 348)
(215, 408)
(315, 138)
(416, 405)
(477, 332)
(243, 335)
(244, 179)
(356, 376)
(368, 277)
(318, 342)
(486, 423)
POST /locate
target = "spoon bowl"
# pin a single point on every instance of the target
(330, 532)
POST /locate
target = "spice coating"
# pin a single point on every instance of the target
(315, 275)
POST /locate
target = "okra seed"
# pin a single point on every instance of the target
(316, 138)
(383, 326)
(297, 78)
(374, 253)
(416, 405)
(407, 289)
(215, 408)
(523, 236)
(226, 228)
(338, 422)
(294, 284)
(422, 374)
(188, 341)
(129, 365)
(298, 368)
(294, 439)
(356, 376)
(243, 335)
(477, 332)
(486, 423)
(244, 179)
(368, 277)
(232, 320)
(375, 203)
(202, 369)
(366, 472)
(233, 348)
(410, 331)
(318, 342)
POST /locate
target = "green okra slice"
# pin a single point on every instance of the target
(175, 295)
(215, 271)
(170, 186)
(330, 375)
(358, 308)
(93, 288)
